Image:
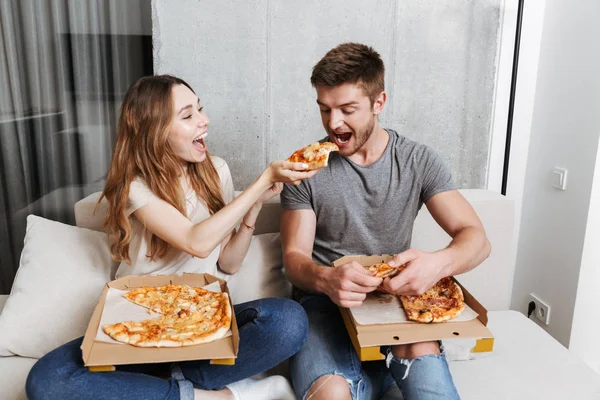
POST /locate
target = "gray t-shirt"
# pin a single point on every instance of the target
(369, 210)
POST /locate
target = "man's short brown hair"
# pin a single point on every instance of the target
(353, 63)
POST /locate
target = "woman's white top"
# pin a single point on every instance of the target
(175, 261)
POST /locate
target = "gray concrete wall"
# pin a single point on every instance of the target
(250, 63)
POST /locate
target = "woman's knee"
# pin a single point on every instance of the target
(40, 377)
(32, 383)
(51, 371)
(295, 321)
(289, 320)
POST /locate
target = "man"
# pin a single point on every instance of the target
(365, 202)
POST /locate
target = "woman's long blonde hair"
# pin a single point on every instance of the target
(142, 150)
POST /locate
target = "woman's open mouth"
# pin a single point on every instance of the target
(199, 143)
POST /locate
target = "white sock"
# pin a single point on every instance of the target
(274, 387)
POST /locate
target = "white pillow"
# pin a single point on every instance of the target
(62, 272)
(261, 273)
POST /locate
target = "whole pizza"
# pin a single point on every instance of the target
(189, 316)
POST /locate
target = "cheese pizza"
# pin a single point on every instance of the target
(189, 316)
(314, 155)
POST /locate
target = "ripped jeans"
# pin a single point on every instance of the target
(329, 351)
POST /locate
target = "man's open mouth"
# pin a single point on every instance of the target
(342, 138)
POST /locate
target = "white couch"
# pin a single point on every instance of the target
(526, 363)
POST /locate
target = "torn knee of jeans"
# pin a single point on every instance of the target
(442, 347)
(405, 361)
(337, 373)
(322, 384)
(402, 361)
(349, 381)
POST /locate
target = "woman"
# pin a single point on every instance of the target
(171, 209)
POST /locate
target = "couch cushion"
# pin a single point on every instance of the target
(62, 271)
(261, 273)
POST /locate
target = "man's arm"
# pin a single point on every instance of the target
(297, 238)
(468, 248)
(346, 285)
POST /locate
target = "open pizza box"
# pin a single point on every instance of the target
(102, 356)
(368, 337)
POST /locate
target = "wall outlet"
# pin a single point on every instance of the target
(542, 309)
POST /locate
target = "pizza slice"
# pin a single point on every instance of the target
(315, 155)
(135, 332)
(157, 299)
(444, 301)
(383, 270)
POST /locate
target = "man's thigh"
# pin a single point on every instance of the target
(329, 351)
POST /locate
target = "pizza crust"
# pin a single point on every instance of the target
(315, 155)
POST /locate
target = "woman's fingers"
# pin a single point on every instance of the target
(290, 172)
(296, 166)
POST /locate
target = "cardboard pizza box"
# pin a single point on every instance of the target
(101, 356)
(368, 338)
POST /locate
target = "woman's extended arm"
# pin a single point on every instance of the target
(200, 239)
(234, 249)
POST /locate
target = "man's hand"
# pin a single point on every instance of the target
(423, 270)
(348, 284)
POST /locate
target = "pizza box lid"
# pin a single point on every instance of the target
(401, 333)
(97, 353)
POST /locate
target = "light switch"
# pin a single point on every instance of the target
(559, 178)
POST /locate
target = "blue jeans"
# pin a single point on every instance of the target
(271, 330)
(329, 351)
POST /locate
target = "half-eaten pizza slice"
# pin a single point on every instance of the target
(314, 155)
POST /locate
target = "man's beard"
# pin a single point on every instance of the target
(362, 138)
